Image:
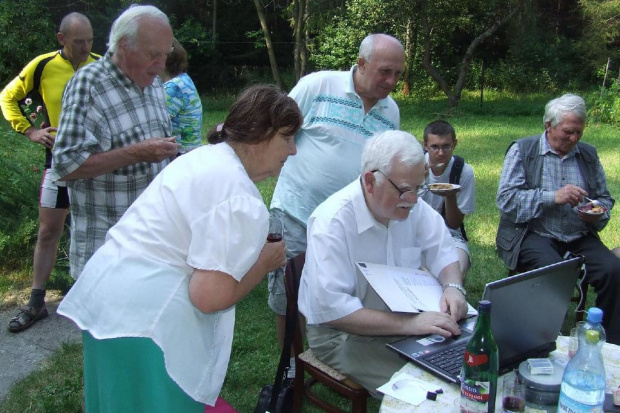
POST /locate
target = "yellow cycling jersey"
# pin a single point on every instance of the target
(46, 74)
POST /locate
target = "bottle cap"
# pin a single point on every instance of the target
(595, 315)
(484, 305)
(592, 336)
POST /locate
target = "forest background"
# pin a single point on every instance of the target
(512, 45)
(488, 66)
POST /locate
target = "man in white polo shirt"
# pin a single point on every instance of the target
(341, 111)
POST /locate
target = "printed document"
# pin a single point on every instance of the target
(404, 289)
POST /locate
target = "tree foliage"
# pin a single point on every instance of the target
(548, 45)
(601, 38)
(26, 32)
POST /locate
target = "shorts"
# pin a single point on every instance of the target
(295, 239)
(52, 195)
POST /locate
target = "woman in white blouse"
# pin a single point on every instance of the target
(156, 301)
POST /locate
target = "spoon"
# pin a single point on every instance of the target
(593, 201)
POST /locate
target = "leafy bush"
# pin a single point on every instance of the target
(605, 105)
(20, 175)
(26, 31)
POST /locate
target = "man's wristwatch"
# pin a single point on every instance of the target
(457, 286)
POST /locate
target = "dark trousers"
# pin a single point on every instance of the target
(602, 271)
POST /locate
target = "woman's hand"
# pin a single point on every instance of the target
(273, 256)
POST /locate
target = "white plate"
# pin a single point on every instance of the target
(453, 187)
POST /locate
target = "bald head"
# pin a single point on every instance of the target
(379, 66)
(76, 37)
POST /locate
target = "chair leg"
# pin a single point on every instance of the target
(359, 405)
(299, 388)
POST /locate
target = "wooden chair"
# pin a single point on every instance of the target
(306, 362)
(580, 297)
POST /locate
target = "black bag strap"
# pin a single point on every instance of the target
(457, 168)
(291, 324)
(455, 178)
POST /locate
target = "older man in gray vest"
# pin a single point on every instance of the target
(544, 178)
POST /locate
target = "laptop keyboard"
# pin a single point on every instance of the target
(449, 359)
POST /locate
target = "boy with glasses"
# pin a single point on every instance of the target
(443, 168)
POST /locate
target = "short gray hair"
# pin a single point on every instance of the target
(558, 107)
(126, 25)
(70, 19)
(367, 47)
(383, 149)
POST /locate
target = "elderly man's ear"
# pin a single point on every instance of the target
(369, 181)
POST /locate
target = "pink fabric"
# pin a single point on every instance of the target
(221, 406)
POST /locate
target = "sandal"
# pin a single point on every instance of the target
(27, 316)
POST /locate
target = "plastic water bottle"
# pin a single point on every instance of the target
(583, 382)
(593, 322)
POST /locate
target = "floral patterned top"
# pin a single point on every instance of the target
(185, 110)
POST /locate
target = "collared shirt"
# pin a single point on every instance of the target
(103, 110)
(343, 231)
(537, 206)
(137, 283)
(330, 141)
(465, 198)
(185, 109)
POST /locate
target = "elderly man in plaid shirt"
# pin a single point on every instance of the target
(114, 132)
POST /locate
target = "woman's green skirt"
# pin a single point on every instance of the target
(128, 374)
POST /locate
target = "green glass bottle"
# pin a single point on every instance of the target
(480, 366)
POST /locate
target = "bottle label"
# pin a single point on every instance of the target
(473, 360)
(475, 395)
(568, 405)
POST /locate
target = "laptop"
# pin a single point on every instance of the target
(527, 312)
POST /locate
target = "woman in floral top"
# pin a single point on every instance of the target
(184, 105)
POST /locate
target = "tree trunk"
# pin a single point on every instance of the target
(409, 57)
(454, 95)
(299, 30)
(214, 23)
(304, 55)
(270, 51)
(606, 71)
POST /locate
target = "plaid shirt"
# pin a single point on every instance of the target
(102, 109)
(537, 206)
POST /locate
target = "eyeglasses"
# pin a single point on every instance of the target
(420, 191)
(444, 148)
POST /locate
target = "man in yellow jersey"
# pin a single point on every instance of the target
(47, 75)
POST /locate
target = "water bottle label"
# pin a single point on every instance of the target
(568, 405)
(475, 395)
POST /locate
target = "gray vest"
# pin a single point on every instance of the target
(509, 234)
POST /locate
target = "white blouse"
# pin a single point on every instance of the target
(202, 211)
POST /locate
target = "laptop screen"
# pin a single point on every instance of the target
(529, 309)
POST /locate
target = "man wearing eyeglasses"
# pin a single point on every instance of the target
(443, 168)
(377, 218)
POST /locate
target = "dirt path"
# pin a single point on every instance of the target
(22, 353)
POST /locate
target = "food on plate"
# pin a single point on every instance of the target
(592, 209)
(597, 210)
(440, 187)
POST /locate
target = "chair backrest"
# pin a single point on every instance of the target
(292, 277)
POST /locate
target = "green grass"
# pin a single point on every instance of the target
(483, 133)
